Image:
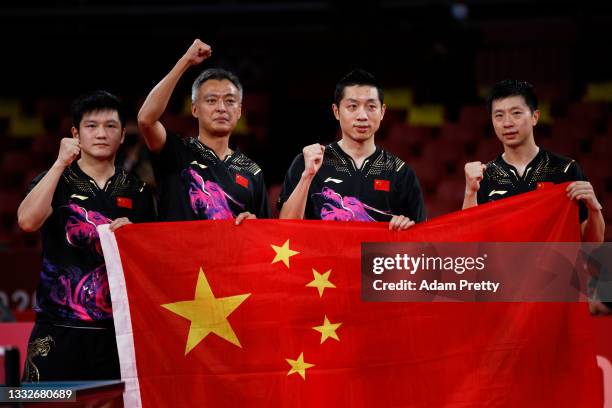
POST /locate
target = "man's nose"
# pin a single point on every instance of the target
(221, 105)
(362, 114)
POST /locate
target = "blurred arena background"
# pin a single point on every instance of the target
(435, 59)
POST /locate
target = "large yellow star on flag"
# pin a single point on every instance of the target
(328, 330)
(299, 366)
(283, 253)
(321, 281)
(207, 314)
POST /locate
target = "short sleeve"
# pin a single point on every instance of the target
(292, 178)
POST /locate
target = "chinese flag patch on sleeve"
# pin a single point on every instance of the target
(124, 202)
(382, 185)
(243, 181)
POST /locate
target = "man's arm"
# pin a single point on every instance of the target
(594, 227)
(154, 106)
(295, 206)
(474, 172)
(36, 207)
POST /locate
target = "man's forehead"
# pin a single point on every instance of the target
(218, 87)
(509, 102)
(355, 91)
(361, 93)
(101, 115)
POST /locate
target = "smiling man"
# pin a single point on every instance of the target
(201, 178)
(353, 179)
(74, 338)
(523, 166)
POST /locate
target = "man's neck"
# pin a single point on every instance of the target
(218, 144)
(99, 170)
(520, 155)
(358, 151)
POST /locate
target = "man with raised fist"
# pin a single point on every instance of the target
(74, 337)
(201, 177)
(523, 166)
(353, 179)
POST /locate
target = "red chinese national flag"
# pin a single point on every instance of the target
(124, 202)
(243, 181)
(382, 185)
(269, 313)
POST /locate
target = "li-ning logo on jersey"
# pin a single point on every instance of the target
(333, 180)
(80, 197)
(202, 166)
(500, 192)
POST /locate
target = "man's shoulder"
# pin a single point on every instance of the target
(128, 184)
(242, 162)
(558, 162)
(388, 162)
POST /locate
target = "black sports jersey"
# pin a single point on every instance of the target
(73, 287)
(383, 187)
(194, 184)
(501, 180)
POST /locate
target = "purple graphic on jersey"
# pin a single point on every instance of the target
(335, 207)
(79, 292)
(208, 200)
(81, 228)
(76, 294)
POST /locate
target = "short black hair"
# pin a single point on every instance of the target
(214, 73)
(357, 77)
(96, 101)
(513, 87)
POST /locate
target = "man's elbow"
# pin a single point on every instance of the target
(26, 224)
(145, 122)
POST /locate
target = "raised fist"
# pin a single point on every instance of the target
(474, 172)
(197, 52)
(313, 158)
(69, 151)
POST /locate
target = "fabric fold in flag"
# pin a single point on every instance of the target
(269, 313)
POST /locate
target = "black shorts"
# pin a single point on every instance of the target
(61, 353)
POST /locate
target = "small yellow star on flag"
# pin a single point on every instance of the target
(283, 253)
(207, 314)
(328, 330)
(321, 281)
(299, 366)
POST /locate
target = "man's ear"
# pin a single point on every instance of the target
(335, 110)
(535, 117)
(75, 132)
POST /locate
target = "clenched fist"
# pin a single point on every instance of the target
(474, 172)
(197, 52)
(313, 158)
(69, 151)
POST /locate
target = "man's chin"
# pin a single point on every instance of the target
(221, 130)
(361, 137)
